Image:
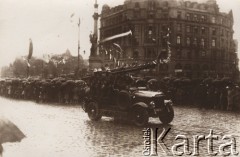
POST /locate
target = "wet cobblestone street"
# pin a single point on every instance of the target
(66, 131)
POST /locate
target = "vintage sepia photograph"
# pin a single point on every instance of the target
(119, 78)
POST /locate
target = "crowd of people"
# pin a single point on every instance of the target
(58, 90)
(222, 94)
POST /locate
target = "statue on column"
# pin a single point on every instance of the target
(93, 40)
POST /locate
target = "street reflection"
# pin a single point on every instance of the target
(57, 130)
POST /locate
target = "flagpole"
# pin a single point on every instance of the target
(29, 56)
(43, 67)
(78, 44)
(27, 68)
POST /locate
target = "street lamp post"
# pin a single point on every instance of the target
(78, 45)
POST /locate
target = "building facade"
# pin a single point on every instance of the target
(198, 37)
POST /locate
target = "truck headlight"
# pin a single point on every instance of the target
(152, 104)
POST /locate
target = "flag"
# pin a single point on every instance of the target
(169, 48)
(168, 33)
(117, 36)
(79, 22)
(118, 46)
(46, 58)
(30, 50)
(64, 61)
(28, 64)
(72, 15)
(24, 58)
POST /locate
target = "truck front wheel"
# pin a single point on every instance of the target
(93, 111)
(140, 116)
(167, 115)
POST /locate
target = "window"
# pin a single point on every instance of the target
(150, 32)
(213, 19)
(178, 40)
(188, 29)
(150, 36)
(202, 18)
(202, 42)
(178, 27)
(165, 4)
(136, 5)
(151, 5)
(188, 16)
(222, 43)
(203, 30)
(214, 55)
(151, 15)
(196, 30)
(214, 31)
(222, 33)
(188, 41)
(189, 56)
(137, 34)
(165, 15)
(184, 55)
(137, 14)
(179, 14)
(195, 18)
(179, 53)
(213, 42)
(203, 53)
(195, 41)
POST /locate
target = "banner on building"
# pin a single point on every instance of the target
(116, 36)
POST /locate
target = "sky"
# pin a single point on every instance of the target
(52, 25)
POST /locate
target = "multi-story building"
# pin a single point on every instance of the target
(198, 36)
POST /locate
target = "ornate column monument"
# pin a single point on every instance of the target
(94, 58)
